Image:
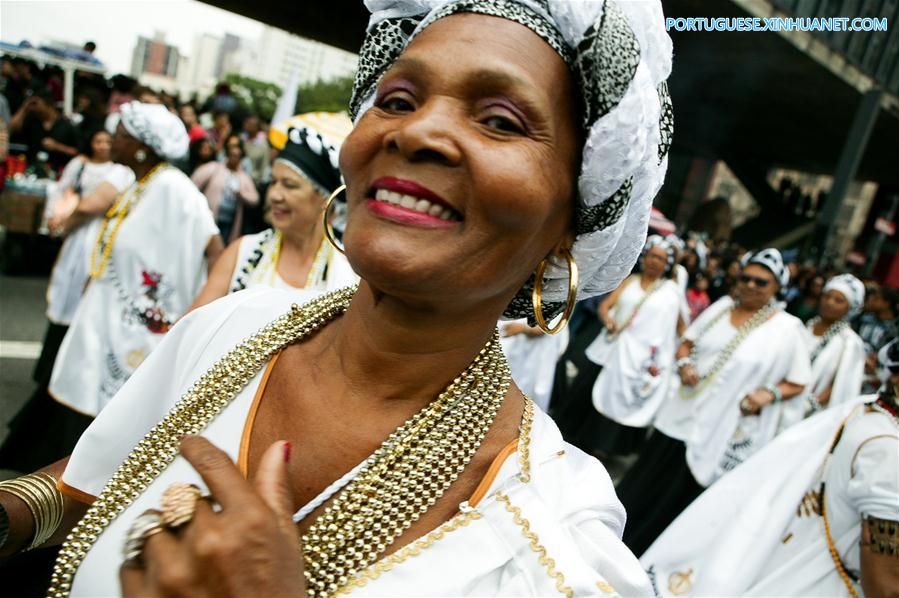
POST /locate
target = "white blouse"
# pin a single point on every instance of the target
(569, 501)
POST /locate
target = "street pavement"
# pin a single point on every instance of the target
(22, 327)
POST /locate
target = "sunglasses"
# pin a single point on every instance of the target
(759, 282)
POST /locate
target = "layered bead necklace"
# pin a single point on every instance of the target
(757, 319)
(270, 243)
(103, 247)
(399, 482)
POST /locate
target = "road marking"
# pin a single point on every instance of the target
(19, 350)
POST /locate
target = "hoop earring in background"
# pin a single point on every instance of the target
(140, 156)
(537, 295)
(329, 230)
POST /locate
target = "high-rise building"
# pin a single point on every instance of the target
(155, 57)
(205, 60)
(278, 54)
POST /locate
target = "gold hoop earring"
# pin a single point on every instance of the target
(537, 295)
(329, 230)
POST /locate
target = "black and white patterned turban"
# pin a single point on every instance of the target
(664, 243)
(772, 260)
(314, 158)
(851, 288)
(620, 57)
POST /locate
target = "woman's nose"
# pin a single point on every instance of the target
(430, 133)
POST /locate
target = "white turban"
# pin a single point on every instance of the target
(851, 288)
(664, 243)
(156, 127)
(620, 56)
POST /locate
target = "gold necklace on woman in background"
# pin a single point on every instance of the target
(118, 211)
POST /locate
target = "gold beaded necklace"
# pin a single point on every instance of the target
(405, 476)
(118, 212)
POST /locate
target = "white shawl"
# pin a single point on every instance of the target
(841, 363)
(728, 541)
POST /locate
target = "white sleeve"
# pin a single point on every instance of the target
(610, 558)
(119, 176)
(874, 487)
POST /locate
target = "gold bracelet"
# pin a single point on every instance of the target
(39, 493)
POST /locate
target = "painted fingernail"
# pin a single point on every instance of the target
(286, 452)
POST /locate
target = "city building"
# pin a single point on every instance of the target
(155, 57)
(278, 54)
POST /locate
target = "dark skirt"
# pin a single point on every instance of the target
(604, 437)
(43, 369)
(572, 395)
(42, 432)
(656, 490)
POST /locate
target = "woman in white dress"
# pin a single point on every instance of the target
(635, 354)
(386, 413)
(293, 255)
(738, 363)
(86, 181)
(836, 351)
(814, 513)
(146, 264)
(532, 356)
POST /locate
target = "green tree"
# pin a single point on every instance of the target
(332, 95)
(261, 98)
(257, 97)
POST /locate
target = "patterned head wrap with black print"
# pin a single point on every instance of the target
(620, 57)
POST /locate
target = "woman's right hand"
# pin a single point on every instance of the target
(688, 375)
(608, 322)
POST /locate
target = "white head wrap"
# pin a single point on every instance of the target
(676, 242)
(772, 260)
(620, 56)
(664, 243)
(156, 127)
(851, 288)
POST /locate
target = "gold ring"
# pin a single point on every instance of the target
(178, 504)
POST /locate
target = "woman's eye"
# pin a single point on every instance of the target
(396, 104)
(504, 124)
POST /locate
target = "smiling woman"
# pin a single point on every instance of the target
(489, 145)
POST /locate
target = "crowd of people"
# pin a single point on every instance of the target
(336, 334)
